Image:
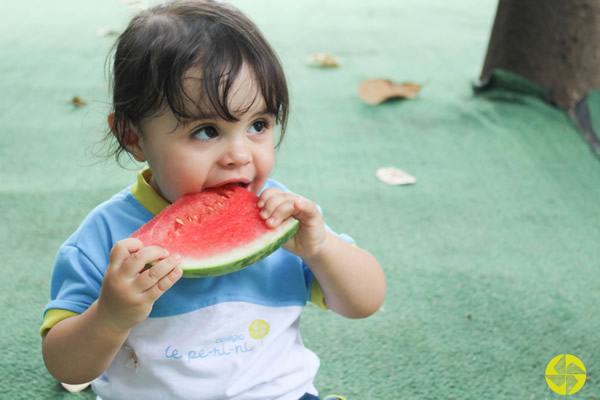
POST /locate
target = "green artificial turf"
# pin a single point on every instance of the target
(491, 258)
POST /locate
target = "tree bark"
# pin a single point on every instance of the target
(553, 43)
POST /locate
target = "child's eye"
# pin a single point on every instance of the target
(258, 127)
(205, 133)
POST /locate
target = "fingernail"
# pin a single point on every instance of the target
(264, 214)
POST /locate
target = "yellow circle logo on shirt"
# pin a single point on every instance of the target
(258, 329)
(565, 374)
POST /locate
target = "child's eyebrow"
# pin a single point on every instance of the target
(262, 112)
(214, 116)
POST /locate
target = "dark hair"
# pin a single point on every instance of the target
(161, 44)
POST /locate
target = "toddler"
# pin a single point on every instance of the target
(197, 94)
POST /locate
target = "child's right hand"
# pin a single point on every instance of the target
(129, 290)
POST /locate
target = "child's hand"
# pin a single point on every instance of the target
(129, 290)
(277, 206)
(350, 278)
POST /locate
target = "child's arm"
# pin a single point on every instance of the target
(78, 349)
(351, 279)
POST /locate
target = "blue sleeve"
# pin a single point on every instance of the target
(76, 281)
(82, 260)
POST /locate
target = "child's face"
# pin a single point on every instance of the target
(212, 152)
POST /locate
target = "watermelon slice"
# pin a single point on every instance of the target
(216, 231)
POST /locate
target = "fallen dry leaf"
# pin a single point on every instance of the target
(323, 60)
(376, 91)
(78, 101)
(75, 388)
(394, 176)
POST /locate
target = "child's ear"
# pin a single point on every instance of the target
(130, 139)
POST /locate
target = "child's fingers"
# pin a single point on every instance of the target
(277, 206)
(268, 194)
(277, 209)
(272, 198)
(268, 200)
(137, 261)
(148, 278)
(305, 209)
(123, 249)
(164, 284)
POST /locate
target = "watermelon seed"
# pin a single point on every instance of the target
(219, 204)
(210, 209)
(178, 223)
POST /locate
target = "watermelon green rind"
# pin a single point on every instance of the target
(231, 262)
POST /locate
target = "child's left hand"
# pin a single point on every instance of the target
(276, 206)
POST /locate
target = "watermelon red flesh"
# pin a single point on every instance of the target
(216, 231)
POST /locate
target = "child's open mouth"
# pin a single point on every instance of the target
(242, 183)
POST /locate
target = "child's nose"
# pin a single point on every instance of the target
(236, 154)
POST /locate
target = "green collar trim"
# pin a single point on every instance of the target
(145, 194)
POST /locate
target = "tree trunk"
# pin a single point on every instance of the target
(553, 43)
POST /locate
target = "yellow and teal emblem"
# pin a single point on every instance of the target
(565, 374)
